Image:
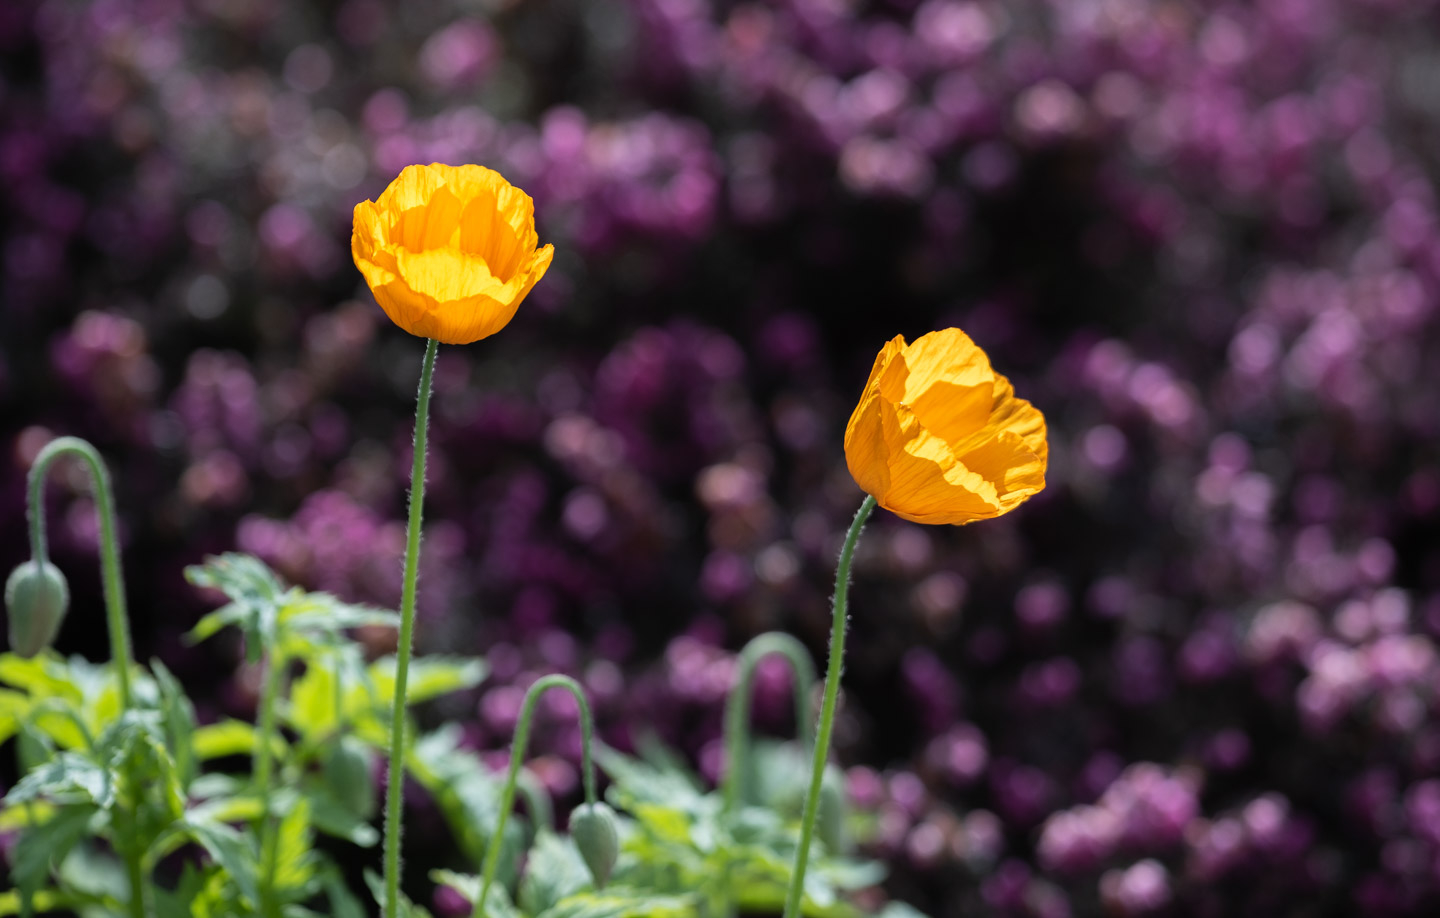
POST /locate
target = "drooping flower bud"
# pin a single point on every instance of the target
(347, 773)
(592, 826)
(36, 599)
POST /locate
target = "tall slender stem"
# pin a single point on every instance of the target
(517, 758)
(737, 708)
(264, 768)
(394, 790)
(111, 578)
(827, 709)
(135, 870)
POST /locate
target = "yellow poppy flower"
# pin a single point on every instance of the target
(449, 251)
(939, 437)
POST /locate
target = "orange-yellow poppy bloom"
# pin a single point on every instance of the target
(449, 251)
(939, 437)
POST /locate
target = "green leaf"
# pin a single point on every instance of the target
(212, 623)
(407, 908)
(850, 874)
(22, 816)
(294, 857)
(554, 869)
(256, 595)
(332, 817)
(213, 784)
(92, 872)
(41, 677)
(343, 903)
(665, 823)
(429, 677)
(622, 903)
(311, 708)
(180, 723)
(146, 777)
(45, 901)
(761, 881)
(33, 748)
(14, 707)
(219, 897)
(637, 782)
(497, 901)
(244, 578)
(50, 842)
(779, 777)
(61, 723)
(228, 809)
(321, 612)
(99, 687)
(228, 848)
(468, 796)
(176, 903)
(230, 737)
(69, 778)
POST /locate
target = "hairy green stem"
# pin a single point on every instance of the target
(339, 693)
(395, 786)
(517, 757)
(737, 708)
(132, 853)
(827, 709)
(114, 586)
(135, 869)
(264, 767)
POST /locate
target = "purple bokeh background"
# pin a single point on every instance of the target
(1196, 676)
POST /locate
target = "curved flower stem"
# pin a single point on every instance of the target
(395, 787)
(827, 709)
(737, 708)
(517, 756)
(111, 578)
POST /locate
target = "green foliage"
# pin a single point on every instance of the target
(555, 871)
(468, 795)
(108, 793)
(681, 839)
(682, 855)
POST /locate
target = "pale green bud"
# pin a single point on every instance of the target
(36, 599)
(592, 826)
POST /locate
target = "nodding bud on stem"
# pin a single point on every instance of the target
(36, 599)
(592, 826)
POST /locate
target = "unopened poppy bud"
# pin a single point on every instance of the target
(830, 819)
(592, 826)
(347, 774)
(36, 599)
